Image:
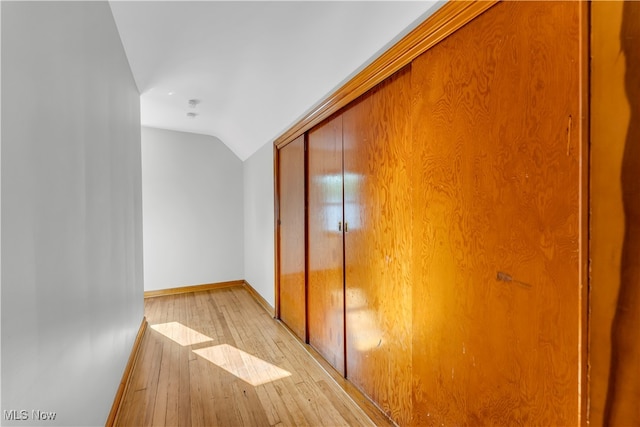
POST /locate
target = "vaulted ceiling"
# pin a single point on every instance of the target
(253, 68)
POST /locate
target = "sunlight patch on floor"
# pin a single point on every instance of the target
(180, 333)
(248, 368)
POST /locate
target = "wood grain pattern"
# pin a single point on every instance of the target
(497, 179)
(377, 195)
(201, 384)
(325, 243)
(291, 272)
(449, 18)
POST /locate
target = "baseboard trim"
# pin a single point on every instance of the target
(212, 286)
(126, 376)
(194, 288)
(263, 302)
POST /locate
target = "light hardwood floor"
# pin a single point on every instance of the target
(216, 358)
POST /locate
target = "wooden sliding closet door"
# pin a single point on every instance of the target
(499, 222)
(377, 203)
(291, 177)
(325, 250)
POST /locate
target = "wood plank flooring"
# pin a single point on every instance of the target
(216, 358)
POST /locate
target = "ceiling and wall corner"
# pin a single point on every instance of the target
(255, 67)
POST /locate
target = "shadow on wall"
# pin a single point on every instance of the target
(623, 392)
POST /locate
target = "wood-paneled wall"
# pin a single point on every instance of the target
(497, 220)
(458, 294)
(292, 229)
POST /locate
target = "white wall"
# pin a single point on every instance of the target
(258, 222)
(192, 210)
(71, 211)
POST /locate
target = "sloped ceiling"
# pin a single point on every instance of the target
(254, 67)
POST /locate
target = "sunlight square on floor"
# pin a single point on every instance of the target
(181, 334)
(245, 366)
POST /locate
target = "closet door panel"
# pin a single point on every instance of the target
(325, 247)
(498, 252)
(292, 232)
(377, 194)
